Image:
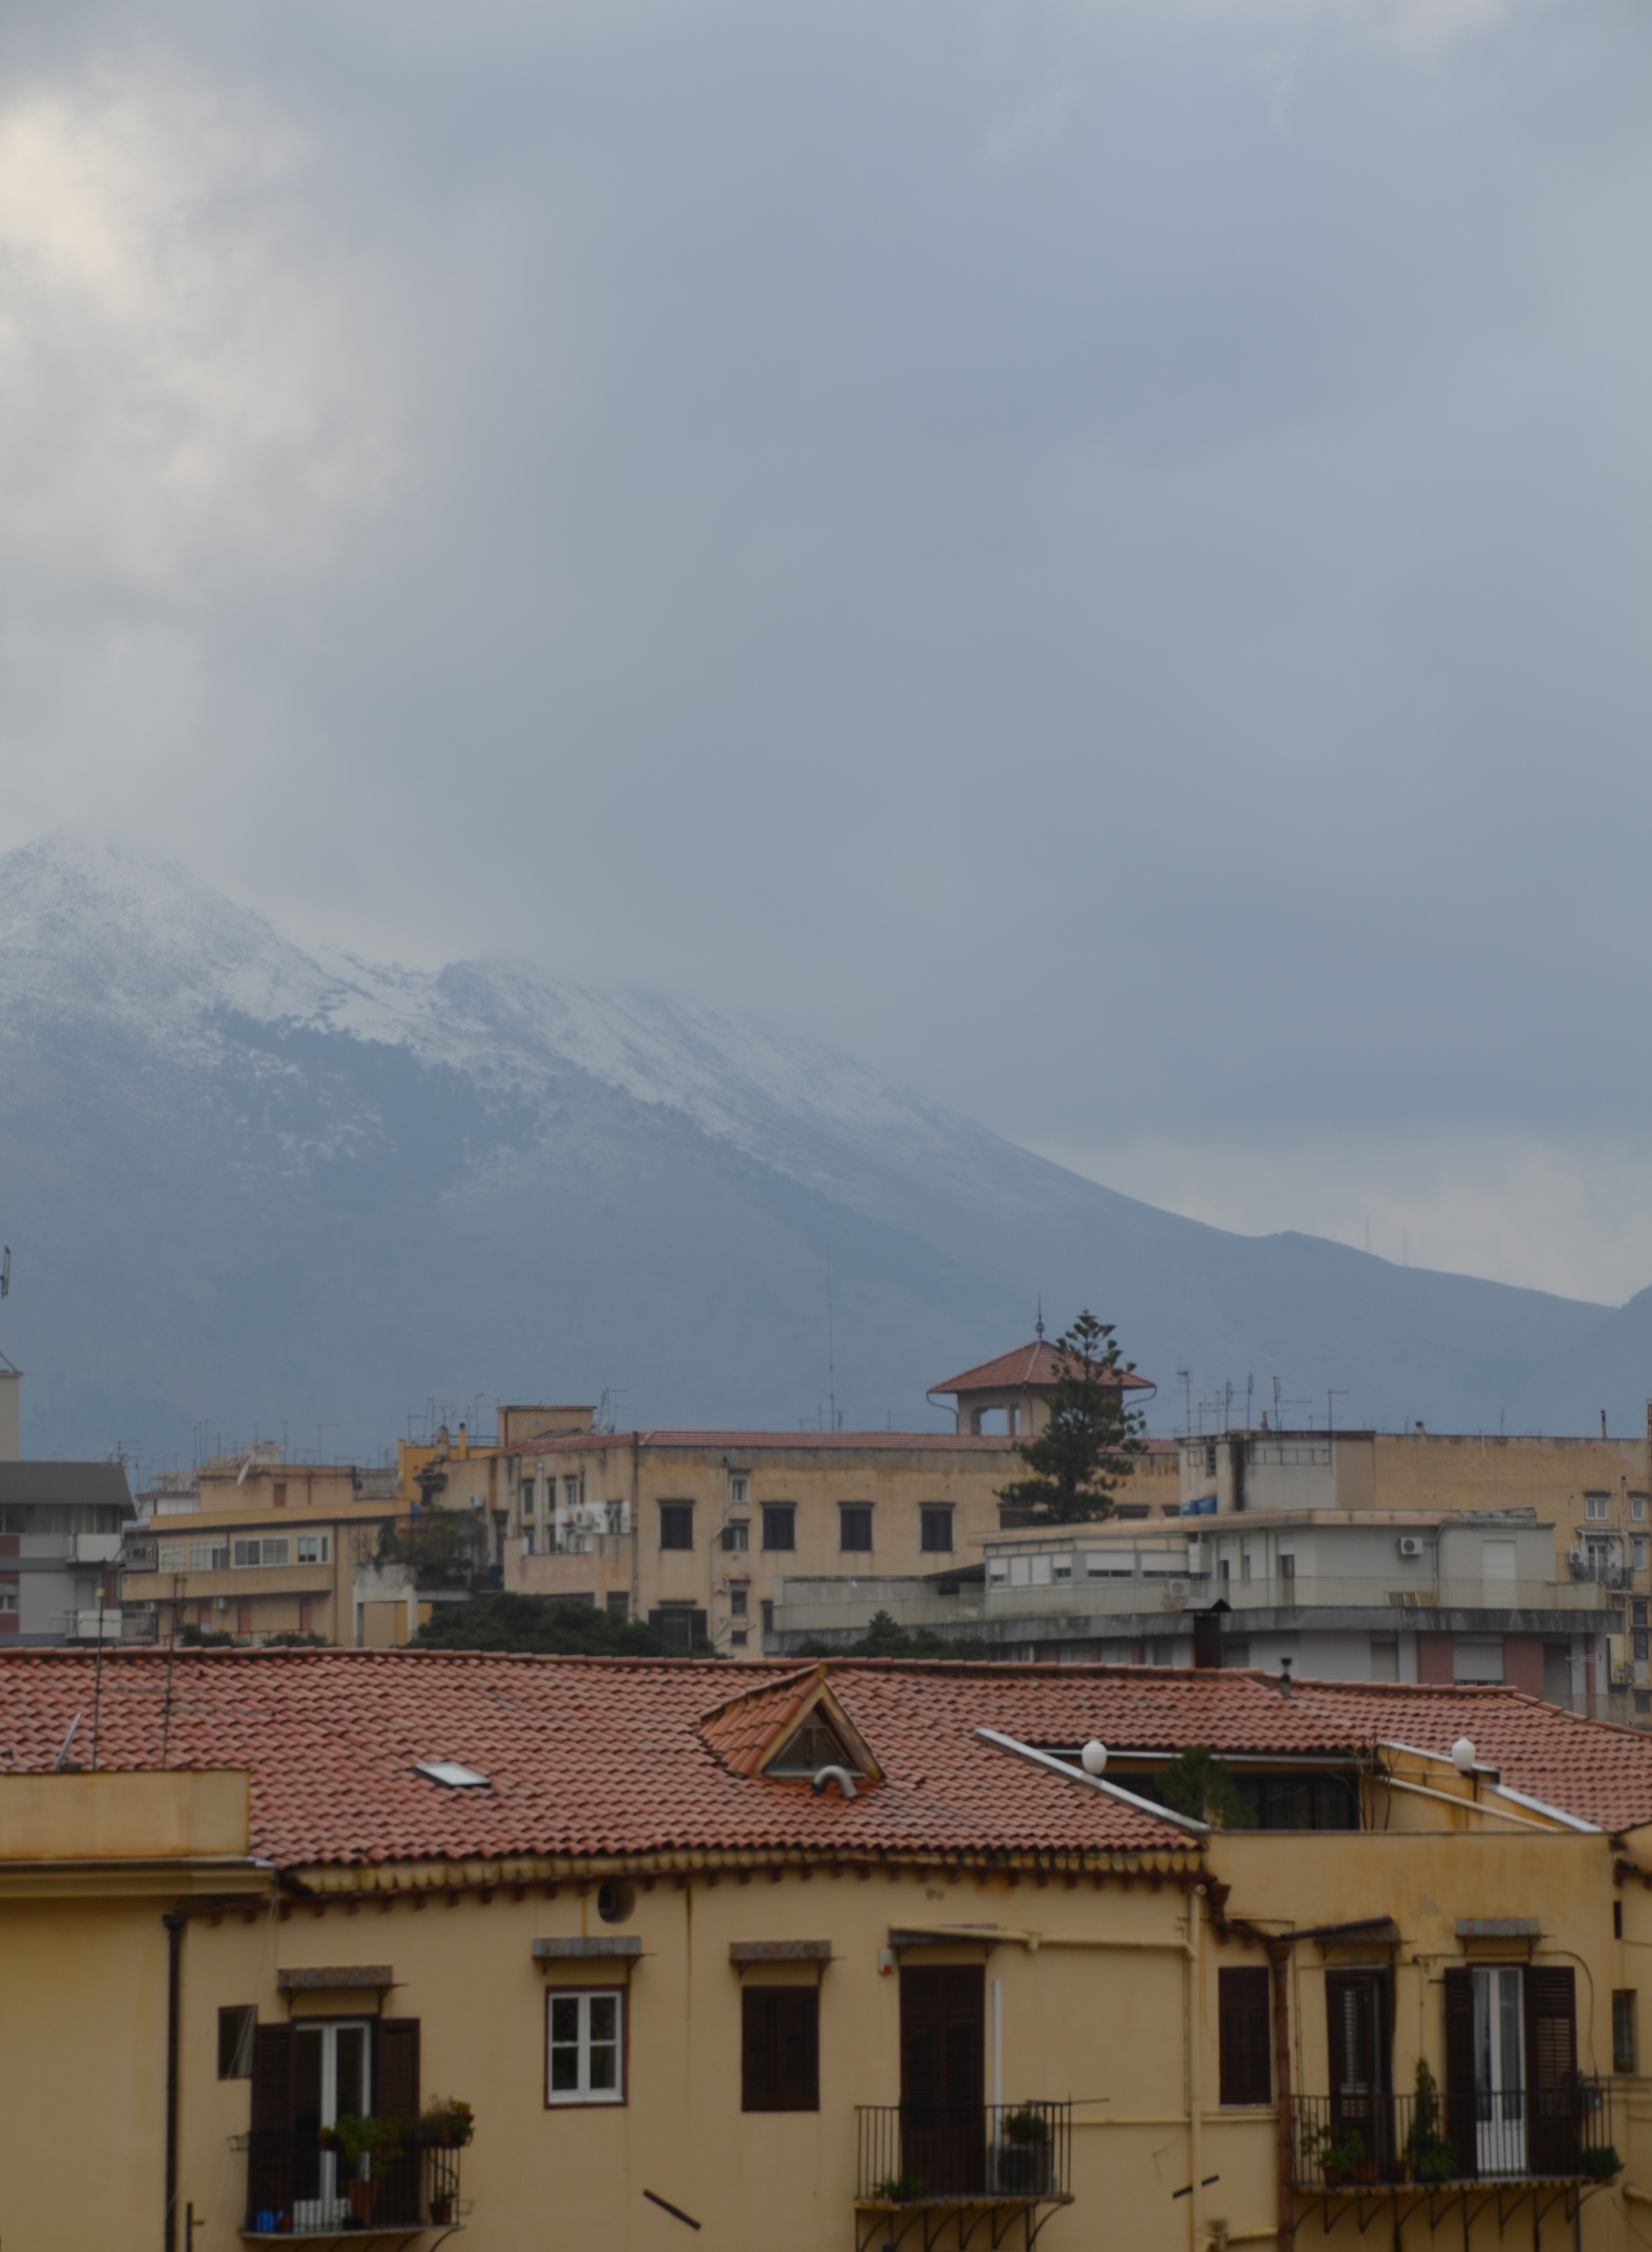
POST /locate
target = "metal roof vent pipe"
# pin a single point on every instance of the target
(1285, 1676)
(841, 1775)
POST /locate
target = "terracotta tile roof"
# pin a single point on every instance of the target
(749, 1443)
(1032, 1365)
(612, 1756)
(741, 1731)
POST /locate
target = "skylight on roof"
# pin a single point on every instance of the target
(451, 1774)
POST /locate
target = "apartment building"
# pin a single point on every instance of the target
(366, 1947)
(1383, 1596)
(60, 1530)
(259, 1545)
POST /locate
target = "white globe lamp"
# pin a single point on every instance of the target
(1093, 1758)
(1462, 1756)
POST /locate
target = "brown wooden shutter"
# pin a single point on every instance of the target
(1552, 2069)
(269, 2144)
(780, 2049)
(1244, 2020)
(395, 2095)
(1460, 2069)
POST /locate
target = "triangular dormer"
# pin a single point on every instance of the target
(789, 1731)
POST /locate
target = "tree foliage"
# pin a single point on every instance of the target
(883, 1638)
(537, 1624)
(1198, 1782)
(1090, 1444)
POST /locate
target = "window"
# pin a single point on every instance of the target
(739, 1489)
(617, 1602)
(736, 1539)
(1224, 1570)
(1637, 1552)
(1638, 1612)
(779, 1524)
(278, 1494)
(9, 1598)
(739, 1637)
(1245, 2012)
(173, 1554)
(676, 1524)
(270, 1549)
(780, 2049)
(1597, 1505)
(313, 1548)
(934, 1529)
(209, 1556)
(1244, 1567)
(236, 2029)
(1209, 1458)
(767, 1610)
(585, 2043)
(1642, 1643)
(737, 1601)
(1643, 1701)
(679, 1626)
(1288, 1568)
(855, 1522)
(1623, 2041)
(573, 1490)
(1476, 1658)
(1637, 1509)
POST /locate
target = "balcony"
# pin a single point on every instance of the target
(298, 2191)
(1553, 2145)
(925, 2165)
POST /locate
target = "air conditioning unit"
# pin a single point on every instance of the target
(1410, 1545)
(221, 1603)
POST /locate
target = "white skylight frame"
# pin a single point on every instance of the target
(452, 1774)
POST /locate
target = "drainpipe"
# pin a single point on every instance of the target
(1195, 2077)
(174, 1924)
(1278, 1952)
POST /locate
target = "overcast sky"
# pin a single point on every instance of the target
(1094, 552)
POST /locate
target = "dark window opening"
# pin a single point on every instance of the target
(679, 1626)
(814, 1746)
(1623, 2041)
(1328, 1801)
(235, 2030)
(779, 1524)
(676, 1524)
(934, 1530)
(738, 1598)
(855, 1521)
(1244, 2013)
(736, 1537)
(780, 2049)
(618, 1604)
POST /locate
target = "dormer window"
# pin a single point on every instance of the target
(812, 1747)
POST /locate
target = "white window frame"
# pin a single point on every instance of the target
(318, 1541)
(9, 1599)
(1597, 1507)
(169, 1555)
(560, 2098)
(209, 1556)
(262, 1560)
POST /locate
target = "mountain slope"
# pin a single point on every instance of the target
(256, 1187)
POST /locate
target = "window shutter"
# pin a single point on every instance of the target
(1460, 2067)
(1244, 2017)
(1551, 2068)
(395, 2095)
(780, 2053)
(269, 2144)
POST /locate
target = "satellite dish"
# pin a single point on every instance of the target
(1093, 1758)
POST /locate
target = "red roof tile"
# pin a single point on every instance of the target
(1032, 1366)
(611, 1757)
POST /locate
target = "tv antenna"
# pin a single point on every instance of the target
(5, 1274)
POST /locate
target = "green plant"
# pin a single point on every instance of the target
(293, 1641)
(1198, 1782)
(356, 2138)
(537, 1624)
(445, 2123)
(1599, 2162)
(1091, 1441)
(898, 2189)
(1430, 2156)
(1027, 2125)
(1333, 2154)
(201, 1637)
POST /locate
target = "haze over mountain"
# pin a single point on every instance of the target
(252, 1188)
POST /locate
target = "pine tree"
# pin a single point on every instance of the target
(1090, 1444)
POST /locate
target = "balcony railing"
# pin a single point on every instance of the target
(296, 2189)
(1360, 2141)
(964, 2153)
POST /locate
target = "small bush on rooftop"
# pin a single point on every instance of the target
(883, 1638)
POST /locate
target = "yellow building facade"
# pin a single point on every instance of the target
(839, 1956)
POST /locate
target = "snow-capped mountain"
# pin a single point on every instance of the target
(254, 1186)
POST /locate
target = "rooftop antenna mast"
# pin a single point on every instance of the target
(1187, 1401)
(1038, 1325)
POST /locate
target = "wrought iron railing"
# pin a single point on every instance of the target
(296, 2187)
(1359, 2139)
(928, 2154)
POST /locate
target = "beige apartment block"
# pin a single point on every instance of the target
(694, 1530)
(263, 1546)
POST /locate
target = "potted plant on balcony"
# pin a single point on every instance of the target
(445, 2124)
(356, 2138)
(1338, 2158)
(1428, 2155)
(1599, 2162)
(1024, 2159)
(898, 2189)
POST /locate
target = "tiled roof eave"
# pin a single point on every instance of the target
(501, 1874)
